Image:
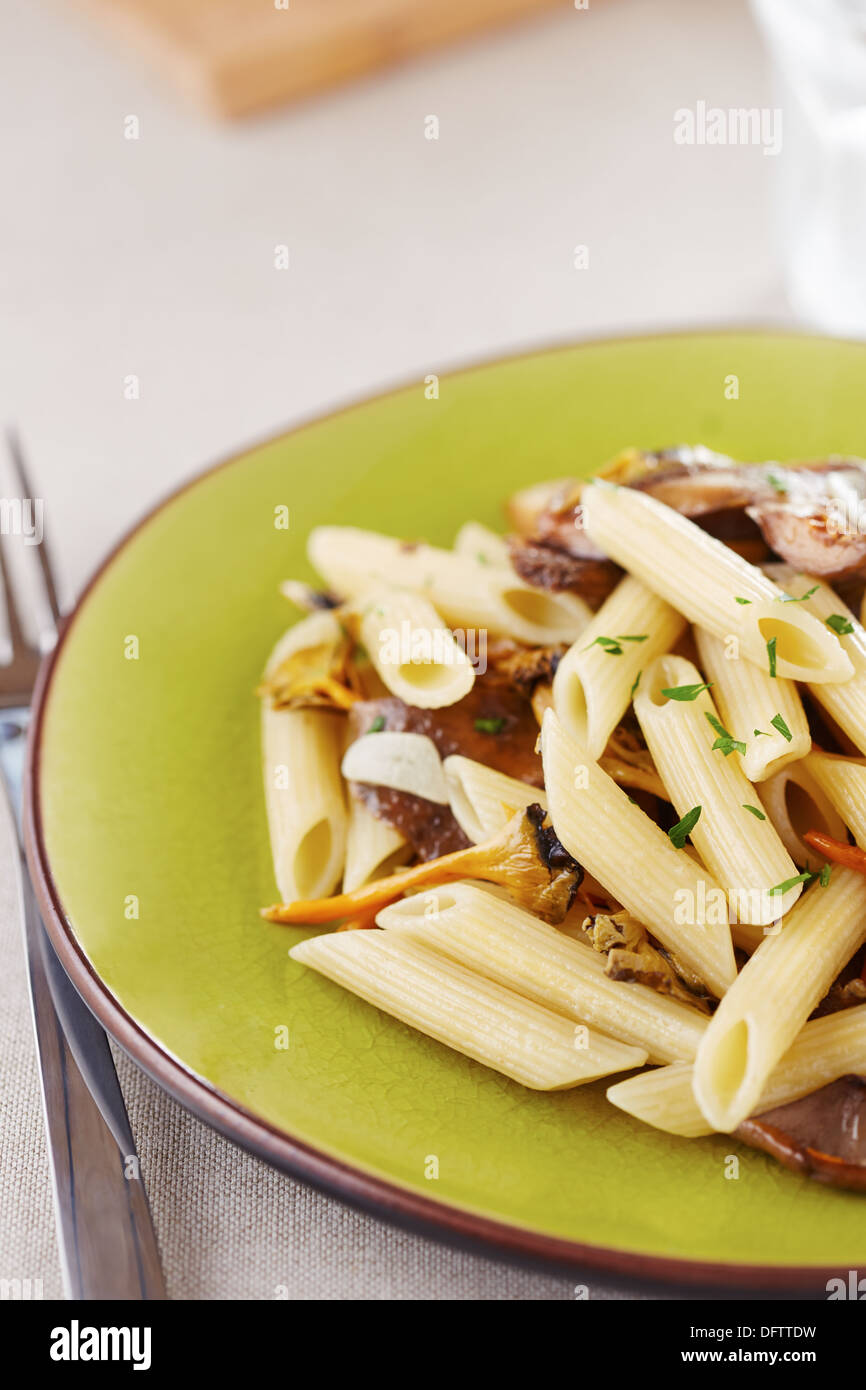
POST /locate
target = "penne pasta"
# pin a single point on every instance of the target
(845, 703)
(374, 848)
(739, 846)
(773, 996)
(749, 700)
(594, 681)
(483, 800)
(412, 652)
(843, 783)
(826, 1049)
(468, 595)
(703, 579)
(633, 859)
(467, 1012)
(304, 799)
(478, 542)
(795, 802)
(502, 942)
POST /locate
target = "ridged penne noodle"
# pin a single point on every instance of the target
(594, 680)
(795, 802)
(845, 703)
(741, 849)
(663, 887)
(304, 798)
(749, 699)
(484, 800)
(374, 848)
(826, 1049)
(465, 1011)
(501, 941)
(466, 594)
(703, 578)
(412, 651)
(843, 783)
(773, 996)
(478, 542)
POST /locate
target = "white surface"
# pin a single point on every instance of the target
(156, 258)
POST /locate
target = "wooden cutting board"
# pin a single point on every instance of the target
(237, 56)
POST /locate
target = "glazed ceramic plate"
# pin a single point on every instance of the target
(148, 836)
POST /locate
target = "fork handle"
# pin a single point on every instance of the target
(106, 1238)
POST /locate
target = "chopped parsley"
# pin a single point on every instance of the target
(771, 656)
(679, 833)
(805, 877)
(760, 733)
(759, 815)
(725, 743)
(612, 644)
(825, 875)
(686, 692)
(482, 558)
(776, 483)
(490, 726)
(778, 723)
(742, 600)
(839, 624)
(377, 725)
(789, 598)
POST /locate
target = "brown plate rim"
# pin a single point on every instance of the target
(377, 1195)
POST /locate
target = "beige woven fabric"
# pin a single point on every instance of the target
(229, 1226)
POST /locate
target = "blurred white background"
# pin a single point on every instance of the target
(155, 257)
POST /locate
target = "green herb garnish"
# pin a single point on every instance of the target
(805, 877)
(742, 600)
(778, 723)
(490, 726)
(754, 810)
(789, 598)
(679, 833)
(825, 875)
(377, 725)
(760, 733)
(725, 743)
(839, 624)
(771, 656)
(686, 692)
(635, 686)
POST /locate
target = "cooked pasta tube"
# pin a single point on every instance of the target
(492, 936)
(703, 579)
(677, 899)
(478, 542)
(773, 996)
(843, 783)
(484, 800)
(795, 802)
(374, 848)
(766, 715)
(412, 651)
(845, 703)
(475, 1016)
(466, 594)
(826, 1049)
(739, 845)
(595, 679)
(304, 798)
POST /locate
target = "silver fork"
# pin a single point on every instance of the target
(107, 1243)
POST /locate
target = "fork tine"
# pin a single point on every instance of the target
(16, 454)
(15, 641)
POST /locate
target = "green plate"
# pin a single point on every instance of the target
(145, 798)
